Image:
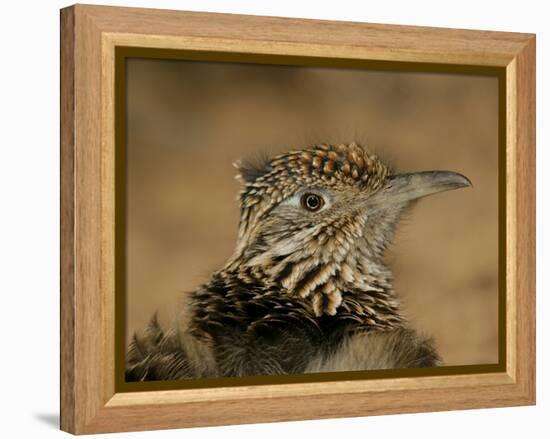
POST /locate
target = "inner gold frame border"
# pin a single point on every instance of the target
(95, 41)
(124, 53)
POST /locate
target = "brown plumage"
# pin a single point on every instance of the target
(307, 288)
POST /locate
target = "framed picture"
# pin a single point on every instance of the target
(375, 254)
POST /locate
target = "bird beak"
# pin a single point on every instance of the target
(402, 188)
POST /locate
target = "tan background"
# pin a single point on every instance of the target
(188, 121)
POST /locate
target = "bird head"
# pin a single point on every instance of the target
(316, 222)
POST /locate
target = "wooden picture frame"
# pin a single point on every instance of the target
(91, 402)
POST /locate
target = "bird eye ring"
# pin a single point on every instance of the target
(312, 202)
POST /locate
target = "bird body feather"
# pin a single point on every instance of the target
(307, 288)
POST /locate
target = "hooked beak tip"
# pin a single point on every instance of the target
(453, 179)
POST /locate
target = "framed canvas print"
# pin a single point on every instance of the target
(374, 254)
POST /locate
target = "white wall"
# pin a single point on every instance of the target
(29, 206)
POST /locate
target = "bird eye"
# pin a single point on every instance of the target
(312, 202)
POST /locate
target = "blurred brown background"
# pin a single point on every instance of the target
(188, 121)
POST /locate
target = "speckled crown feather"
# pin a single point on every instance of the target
(327, 164)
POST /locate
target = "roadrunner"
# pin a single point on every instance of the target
(307, 288)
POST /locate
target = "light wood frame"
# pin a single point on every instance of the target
(89, 36)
